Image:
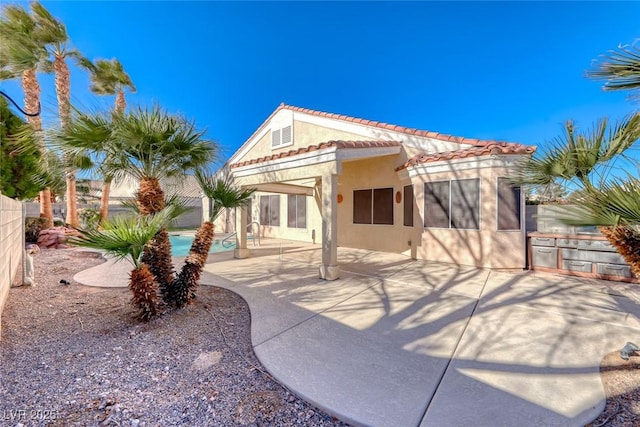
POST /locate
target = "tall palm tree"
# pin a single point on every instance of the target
(225, 195)
(126, 238)
(108, 78)
(22, 53)
(147, 144)
(53, 34)
(584, 162)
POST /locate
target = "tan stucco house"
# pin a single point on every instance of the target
(345, 181)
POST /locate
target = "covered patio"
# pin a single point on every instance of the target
(312, 171)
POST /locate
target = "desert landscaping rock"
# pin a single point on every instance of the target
(75, 356)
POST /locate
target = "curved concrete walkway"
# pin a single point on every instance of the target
(399, 342)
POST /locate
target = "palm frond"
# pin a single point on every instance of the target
(575, 156)
(108, 76)
(615, 203)
(158, 144)
(48, 29)
(178, 204)
(223, 192)
(125, 236)
(619, 68)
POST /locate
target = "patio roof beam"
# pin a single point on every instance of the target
(275, 187)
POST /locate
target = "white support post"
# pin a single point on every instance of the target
(329, 270)
(241, 250)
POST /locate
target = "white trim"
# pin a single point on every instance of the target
(456, 165)
(324, 155)
(301, 160)
(346, 154)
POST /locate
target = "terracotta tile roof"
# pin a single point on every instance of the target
(321, 146)
(481, 150)
(381, 125)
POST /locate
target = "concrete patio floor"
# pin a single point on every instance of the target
(400, 342)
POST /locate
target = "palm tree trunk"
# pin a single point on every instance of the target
(186, 284)
(121, 103)
(61, 71)
(143, 287)
(104, 200)
(150, 196)
(120, 106)
(626, 240)
(157, 253)
(31, 89)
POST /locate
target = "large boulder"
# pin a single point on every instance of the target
(56, 237)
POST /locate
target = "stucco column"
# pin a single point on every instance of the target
(241, 250)
(329, 269)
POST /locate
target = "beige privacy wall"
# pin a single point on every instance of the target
(11, 245)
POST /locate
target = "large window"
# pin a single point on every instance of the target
(374, 206)
(270, 210)
(408, 206)
(508, 205)
(297, 211)
(452, 204)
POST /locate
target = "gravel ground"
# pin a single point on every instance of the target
(72, 355)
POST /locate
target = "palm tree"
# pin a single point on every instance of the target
(22, 53)
(224, 195)
(108, 78)
(54, 35)
(126, 238)
(147, 145)
(584, 162)
(620, 69)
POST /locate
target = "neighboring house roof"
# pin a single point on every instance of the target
(483, 150)
(323, 145)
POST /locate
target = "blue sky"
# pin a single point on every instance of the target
(511, 71)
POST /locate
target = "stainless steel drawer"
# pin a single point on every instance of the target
(614, 270)
(543, 241)
(582, 266)
(595, 245)
(567, 243)
(592, 256)
(544, 256)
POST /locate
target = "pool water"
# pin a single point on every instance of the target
(180, 245)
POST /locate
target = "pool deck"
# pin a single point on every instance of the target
(400, 342)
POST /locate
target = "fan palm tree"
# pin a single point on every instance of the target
(126, 237)
(53, 34)
(108, 78)
(619, 68)
(22, 53)
(584, 162)
(147, 145)
(225, 195)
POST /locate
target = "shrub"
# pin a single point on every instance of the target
(32, 228)
(89, 218)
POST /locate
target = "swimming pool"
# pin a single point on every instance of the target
(181, 243)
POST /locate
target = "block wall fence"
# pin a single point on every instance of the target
(11, 246)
